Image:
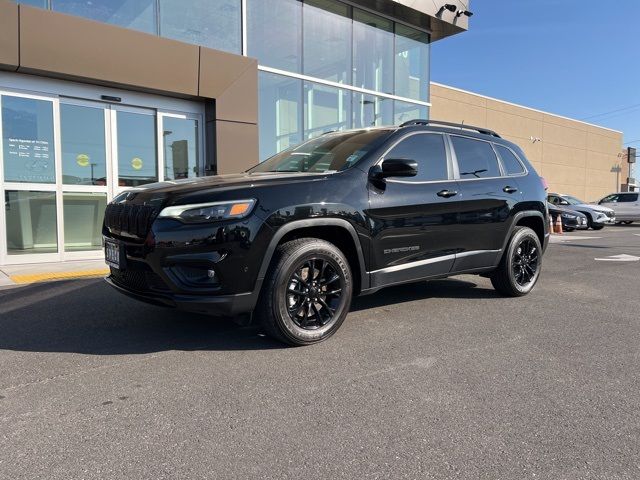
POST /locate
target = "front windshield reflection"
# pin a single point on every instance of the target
(329, 153)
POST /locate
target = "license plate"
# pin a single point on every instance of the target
(112, 254)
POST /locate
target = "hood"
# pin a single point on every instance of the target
(595, 208)
(161, 192)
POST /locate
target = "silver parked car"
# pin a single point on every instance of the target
(625, 204)
(597, 215)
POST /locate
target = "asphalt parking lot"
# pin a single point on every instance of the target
(433, 380)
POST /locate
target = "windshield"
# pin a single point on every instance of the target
(328, 153)
(572, 200)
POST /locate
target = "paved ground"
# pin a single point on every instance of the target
(435, 380)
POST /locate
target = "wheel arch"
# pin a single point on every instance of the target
(334, 230)
(533, 219)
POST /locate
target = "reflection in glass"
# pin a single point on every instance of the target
(84, 158)
(325, 109)
(412, 63)
(34, 3)
(405, 111)
(274, 30)
(371, 111)
(134, 14)
(83, 216)
(327, 40)
(27, 134)
(137, 159)
(372, 52)
(31, 222)
(280, 113)
(210, 23)
(180, 143)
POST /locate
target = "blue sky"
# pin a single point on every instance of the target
(577, 58)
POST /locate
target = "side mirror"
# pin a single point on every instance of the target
(395, 167)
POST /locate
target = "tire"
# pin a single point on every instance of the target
(589, 221)
(627, 222)
(597, 227)
(307, 292)
(517, 275)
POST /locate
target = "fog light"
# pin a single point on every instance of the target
(211, 274)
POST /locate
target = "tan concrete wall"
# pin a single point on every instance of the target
(574, 157)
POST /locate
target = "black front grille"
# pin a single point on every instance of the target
(129, 219)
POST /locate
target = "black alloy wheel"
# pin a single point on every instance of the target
(525, 261)
(519, 268)
(314, 293)
(307, 292)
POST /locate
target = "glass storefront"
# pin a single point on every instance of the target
(62, 159)
(324, 65)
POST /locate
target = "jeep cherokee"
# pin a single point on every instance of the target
(290, 241)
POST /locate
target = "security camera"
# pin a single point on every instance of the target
(466, 13)
(450, 7)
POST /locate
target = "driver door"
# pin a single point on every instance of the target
(415, 220)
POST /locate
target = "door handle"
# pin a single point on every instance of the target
(447, 193)
(509, 189)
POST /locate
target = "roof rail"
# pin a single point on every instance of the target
(461, 126)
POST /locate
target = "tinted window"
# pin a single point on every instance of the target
(429, 151)
(628, 197)
(476, 159)
(135, 14)
(510, 162)
(609, 199)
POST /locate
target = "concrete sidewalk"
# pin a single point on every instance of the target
(42, 272)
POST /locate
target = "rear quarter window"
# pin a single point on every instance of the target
(476, 158)
(510, 162)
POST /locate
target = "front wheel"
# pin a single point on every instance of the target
(597, 227)
(519, 268)
(307, 292)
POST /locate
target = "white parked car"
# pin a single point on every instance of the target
(625, 204)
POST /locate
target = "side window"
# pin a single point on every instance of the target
(476, 159)
(429, 151)
(610, 199)
(553, 199)
(510, 162)
(628, 197)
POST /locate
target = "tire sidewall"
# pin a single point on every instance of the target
(286, 324)
(515, 241)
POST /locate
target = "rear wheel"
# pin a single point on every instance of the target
(627, 222)
(307, 292)
(519, 268)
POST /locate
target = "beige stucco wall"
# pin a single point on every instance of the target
(574, 157)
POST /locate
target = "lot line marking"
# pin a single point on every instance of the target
(619, 258)
(569, 238)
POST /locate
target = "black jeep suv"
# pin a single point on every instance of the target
(346, 213)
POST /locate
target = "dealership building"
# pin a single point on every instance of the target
(104, 95)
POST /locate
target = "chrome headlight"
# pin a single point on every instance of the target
(207, 212)
(569, 216)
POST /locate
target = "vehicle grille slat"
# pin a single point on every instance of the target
(130, 220)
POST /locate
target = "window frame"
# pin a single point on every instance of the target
(448, 153)
(457, 165)
(525, 170)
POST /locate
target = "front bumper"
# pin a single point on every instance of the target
(222, 305)
(604, 220)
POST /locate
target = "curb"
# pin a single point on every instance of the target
(51, 276)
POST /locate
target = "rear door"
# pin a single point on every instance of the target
(488, 196)
(414, 220)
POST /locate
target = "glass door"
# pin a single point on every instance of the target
(29, 175)
(85, 157)
(63, 159)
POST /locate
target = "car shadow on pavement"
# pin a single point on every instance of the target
(88, 317)
(449, 288)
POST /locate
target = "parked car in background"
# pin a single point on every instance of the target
(597, 216)
(626, 205)
(571, 219)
